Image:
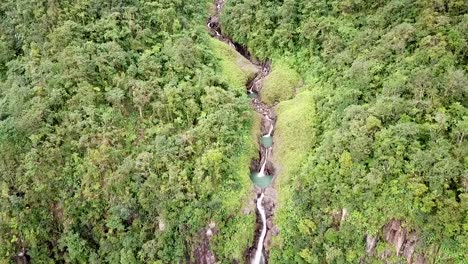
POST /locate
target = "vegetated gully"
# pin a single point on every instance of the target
(262, 169)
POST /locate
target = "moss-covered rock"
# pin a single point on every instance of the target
(235, 68)
(280, 84)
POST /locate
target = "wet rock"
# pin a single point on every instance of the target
(22, 257)
(214, 20)
(257, 191)
(267, 243)
(269, 223)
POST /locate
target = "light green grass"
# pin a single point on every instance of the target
(280, 84)
(295, 132)
(234, 67)
(294, 138)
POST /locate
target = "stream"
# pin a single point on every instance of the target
(262, 169)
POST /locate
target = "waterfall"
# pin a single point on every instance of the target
(271, 126)
(270, 131)
(253, 88)
(259, 253)
(262, 170)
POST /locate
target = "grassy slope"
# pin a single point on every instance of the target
(280, 84)
(344, 44)
(294, 137)
(236, 69)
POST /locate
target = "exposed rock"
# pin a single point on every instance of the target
(161, 224)
(395, 235)
(339, 217)
(202, 252)
(410, 245)
(420, 259)
(344, 214)
(274, 231)
(269, 224)
(22, 257)
(212, 225)
(267, 243)
(404, 242)
(371, 242)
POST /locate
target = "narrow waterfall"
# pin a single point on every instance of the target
(262, 170)
(259, 253)
(270, 131)
(260, 178)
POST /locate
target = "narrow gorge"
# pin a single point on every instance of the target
(262, 169)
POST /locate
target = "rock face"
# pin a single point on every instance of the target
(269, 203)
(401, 239)
(393, 233)
(339, 217)
(22, 257)
(202, 252)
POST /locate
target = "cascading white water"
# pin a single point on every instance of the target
(270, 131)
(271, 126)
(259, 253)
(262, 170)
(253, 90)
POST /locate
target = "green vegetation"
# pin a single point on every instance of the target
(295, 132)
(120, 137)
(234, 67)
(236, 235)
(125, 129)
(280, 84)
(294, 137)
(389, 114)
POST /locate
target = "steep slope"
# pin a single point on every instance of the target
(120, 138)
(389, 115)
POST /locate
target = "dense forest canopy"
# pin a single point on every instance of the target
(119, 137)
(125, 129)
(390, 89)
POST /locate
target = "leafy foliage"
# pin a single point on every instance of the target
(389, 101)
(237, 69)
(119, 138)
